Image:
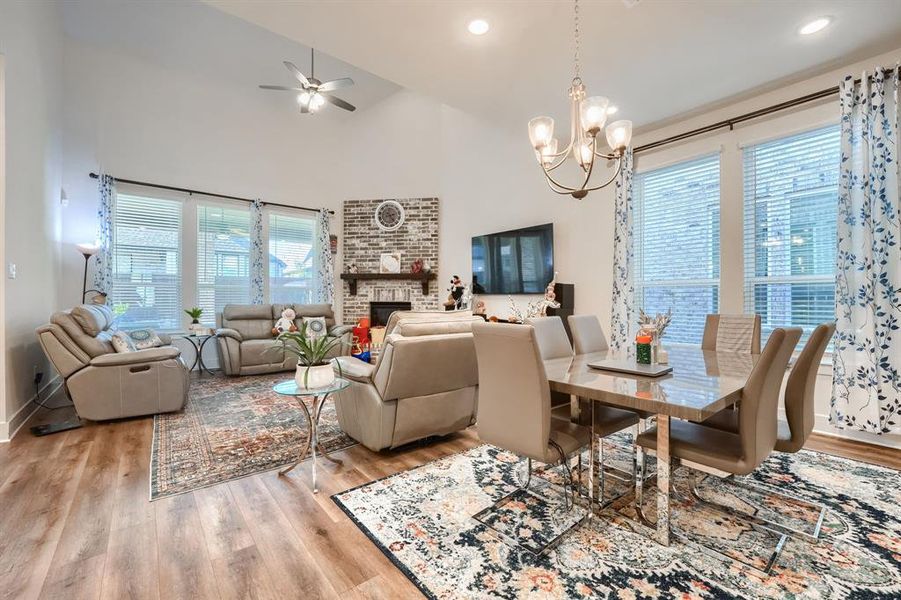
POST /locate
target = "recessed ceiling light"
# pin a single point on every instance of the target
(612, 109)
(478, 27)
(815, 25)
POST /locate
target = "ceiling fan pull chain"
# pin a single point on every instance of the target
(577, 36)
(312, 64)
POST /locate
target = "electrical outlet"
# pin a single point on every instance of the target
(11, 270)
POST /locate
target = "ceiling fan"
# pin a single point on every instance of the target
(312, 93)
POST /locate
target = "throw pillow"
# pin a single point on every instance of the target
(145, 338)
(122, 342)
(315, 326)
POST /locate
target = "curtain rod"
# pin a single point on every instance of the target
(189, 191)
(730, 123)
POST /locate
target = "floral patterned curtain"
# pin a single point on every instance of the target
(103, 260)
(866, 389)
(623, 290)
(325, 262)
(257, 253)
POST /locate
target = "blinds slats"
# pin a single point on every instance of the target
(677, 244)
(147, 262)
(790, 211)
(223, 258)
(291, 264)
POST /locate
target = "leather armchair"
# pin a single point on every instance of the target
(425, 382)
(245, 340)
(104, 384)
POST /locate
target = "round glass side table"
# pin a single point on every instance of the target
(319, 396)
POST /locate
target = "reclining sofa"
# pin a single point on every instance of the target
(104, 384)
(245, 340)
(425, 382)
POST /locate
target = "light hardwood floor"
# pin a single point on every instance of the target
(76, 522)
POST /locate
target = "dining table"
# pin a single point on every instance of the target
(701, 383)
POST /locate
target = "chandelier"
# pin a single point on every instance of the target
(588, 115)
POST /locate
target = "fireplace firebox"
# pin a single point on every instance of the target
(380, 311)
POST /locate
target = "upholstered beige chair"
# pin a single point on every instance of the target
(515, 405)
(554, 343)
(424, 383)
(799, 411)
(742, 452)
(798, 397)
(104, 384)
(732, 333)
(245, 340)
(588, 336)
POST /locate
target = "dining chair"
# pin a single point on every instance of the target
(732, 333)
(515, 405)
(735, 453)
(798, 399)
(551, 335)
(554, 343)
(588, 336)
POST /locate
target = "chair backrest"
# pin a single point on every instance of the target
(588, 336)
(799, 389)
(74, 337)
(732, 333)
(425, 316)
(757, 418)
(514, 396)
(255, 321)
(551, 335)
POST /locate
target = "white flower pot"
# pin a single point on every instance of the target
(309, 378)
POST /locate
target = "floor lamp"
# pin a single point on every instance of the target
(87, 250)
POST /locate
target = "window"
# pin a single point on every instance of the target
(291, 265)
(677, 244)
(147, 262)
(790, 207)
(223, 258)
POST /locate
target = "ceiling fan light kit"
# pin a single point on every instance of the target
(313, 94)
(588, 115)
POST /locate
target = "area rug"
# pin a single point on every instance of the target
(230, 428)
(422, 520)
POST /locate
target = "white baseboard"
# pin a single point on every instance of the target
(8, 429)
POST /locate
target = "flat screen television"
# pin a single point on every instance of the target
(520, 261)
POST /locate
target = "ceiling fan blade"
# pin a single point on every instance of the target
(339, 102)
(281, 87)
(336, 84)
(296, 72)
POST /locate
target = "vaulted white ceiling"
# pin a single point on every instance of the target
(654, 58)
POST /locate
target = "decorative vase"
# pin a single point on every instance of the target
(315, 377)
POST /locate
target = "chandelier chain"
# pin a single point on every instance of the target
(577, 59)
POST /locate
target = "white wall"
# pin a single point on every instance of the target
(30, 41)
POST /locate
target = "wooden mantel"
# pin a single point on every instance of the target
(353, 278)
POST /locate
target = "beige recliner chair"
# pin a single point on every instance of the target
(425, 381)
(104, 384)
(245, 340)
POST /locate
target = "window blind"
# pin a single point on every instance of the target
(223, 258)
(147, 262)
(677, 244)
(291, 266)
(790, 212)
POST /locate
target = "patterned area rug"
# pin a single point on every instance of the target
(422, 520)
(232, 428)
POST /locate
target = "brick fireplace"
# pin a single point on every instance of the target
(364, 244)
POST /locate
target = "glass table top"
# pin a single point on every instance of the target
(290, 388)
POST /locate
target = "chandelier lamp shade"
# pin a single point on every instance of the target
(588, 117)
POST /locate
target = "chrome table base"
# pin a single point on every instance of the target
(313, 440)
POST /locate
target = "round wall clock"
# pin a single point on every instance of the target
(389, 215)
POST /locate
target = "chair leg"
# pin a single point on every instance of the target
(698, 477)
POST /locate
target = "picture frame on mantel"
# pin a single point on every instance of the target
(389, 262)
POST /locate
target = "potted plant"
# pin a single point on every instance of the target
(314, 368)
(194, 313)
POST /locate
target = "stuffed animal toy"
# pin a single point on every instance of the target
(286, 323)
